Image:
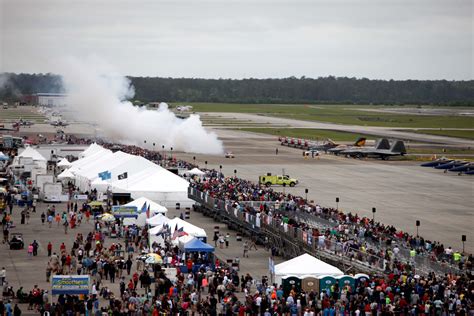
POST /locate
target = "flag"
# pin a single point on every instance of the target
(105, 175)
(175, 233)
(123, 176)
(143, 209)
(148, 211)
(181, 232)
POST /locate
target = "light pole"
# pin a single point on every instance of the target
(194, 160)
(306, 194)
(337, 203)
(220, 168)
(417, 223)
(373, 214)
(153, 147)
(235, 173)
(205, 162)
(171, 153)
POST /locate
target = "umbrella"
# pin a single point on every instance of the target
(107, 217)
(95, 204)
(153, 258)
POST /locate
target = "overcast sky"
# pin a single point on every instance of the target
(412, 39)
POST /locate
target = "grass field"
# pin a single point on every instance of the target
(447, 132)
(341, 114)
(307, 133)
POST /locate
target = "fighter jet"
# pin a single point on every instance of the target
(324, 146)
(22, 122)
(464, 168)
(437, 162)
(450, 165)
(359, 152)
(59, 123)
(397, 149)
(336, 150)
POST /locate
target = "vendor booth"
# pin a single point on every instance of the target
(200, 254)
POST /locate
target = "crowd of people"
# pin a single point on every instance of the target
(216, 289)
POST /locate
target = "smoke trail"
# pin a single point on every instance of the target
(97, 93)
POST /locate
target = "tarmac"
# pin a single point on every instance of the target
(401, 191)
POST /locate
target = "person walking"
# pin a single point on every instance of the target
(50, 249)
(35, 247)
(227, 239)
(50, 220)
(246, 249)
(3, 275)
(30, 250)
(43, 218)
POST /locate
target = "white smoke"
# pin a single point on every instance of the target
(97, 93)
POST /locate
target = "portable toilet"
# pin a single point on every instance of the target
(291, 282)
(346, 281)
(309, 284)
(326, 282)
(361, 278)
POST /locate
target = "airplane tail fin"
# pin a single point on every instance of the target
(398, 147)
(360, 142)
(382, 143)
(330, 142)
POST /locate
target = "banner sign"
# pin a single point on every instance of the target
(125, 211)
(70, 284)
(80, 197)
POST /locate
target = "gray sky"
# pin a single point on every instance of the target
(404, 39)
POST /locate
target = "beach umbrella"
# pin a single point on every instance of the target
(95, 204)
(153, 258)
(107, 217)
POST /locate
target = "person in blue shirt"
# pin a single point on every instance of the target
(8, 308)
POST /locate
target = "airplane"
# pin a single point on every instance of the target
(450, 165)
(382, 144)
(437, 162)
(336, 150)
(397, 149)
(325, 146)
(464, 168)
(59, 123)
(22, 122)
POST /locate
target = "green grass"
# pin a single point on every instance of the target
(341, 114)
(447, 132)
(307, 133)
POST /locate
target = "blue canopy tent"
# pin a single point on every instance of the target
(201, 253)
(195, 245)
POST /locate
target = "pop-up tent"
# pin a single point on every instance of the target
(188, 228)
(195, 245)
(66, 174)
(304, 266)
(155, 208)
(91, 150)
(32, 153)
(195, 172)
(157, 220)
(64, 163)
(142, 219)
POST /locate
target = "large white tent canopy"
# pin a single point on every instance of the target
(32, 153)
(304, 266)
(144, 178)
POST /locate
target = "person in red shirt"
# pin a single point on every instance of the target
(135, 280)
(50, 249)
(62, 247)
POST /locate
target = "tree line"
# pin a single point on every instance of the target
(328, 90)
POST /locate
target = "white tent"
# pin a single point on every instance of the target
(157, 184)
(32, 153)
(158, 228)
(155, 208)
(195, 172)
(157, 220)
(141, 220)
(66, 174)
(64, 163)
(176, 222)
(92, 149)
(305, 265)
